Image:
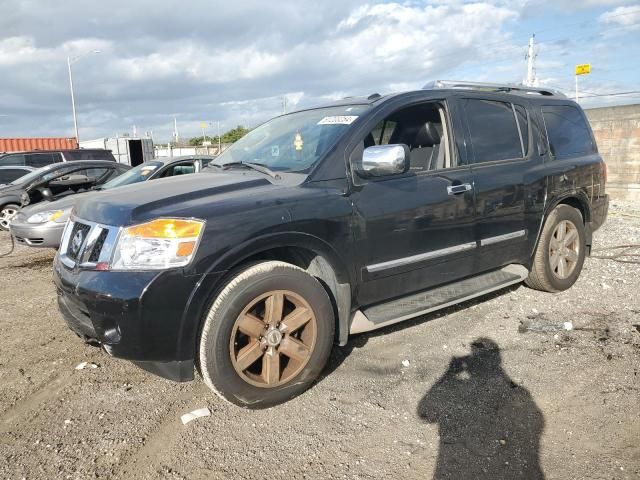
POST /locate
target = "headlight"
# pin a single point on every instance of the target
(46, 216)
(159, 244)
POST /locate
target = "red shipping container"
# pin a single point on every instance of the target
(31, 144)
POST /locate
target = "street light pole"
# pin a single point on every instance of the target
(73, 101)
(71, 61)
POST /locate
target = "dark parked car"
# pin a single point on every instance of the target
(11, 174)
(41, 225)
(42, 158)
(333, 221)
(53, 182)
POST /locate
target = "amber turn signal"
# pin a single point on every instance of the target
(167, 228)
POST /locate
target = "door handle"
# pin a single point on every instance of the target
(457, 189)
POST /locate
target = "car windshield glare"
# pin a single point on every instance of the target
(135, 175)
(293, 142)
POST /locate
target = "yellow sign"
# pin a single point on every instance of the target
(583, 69)
(203, 125)
(298, 143)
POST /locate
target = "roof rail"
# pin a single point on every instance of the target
(493, 87)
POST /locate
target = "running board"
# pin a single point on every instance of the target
(418, 304)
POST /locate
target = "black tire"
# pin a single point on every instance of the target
(216, 363)
(3, 225)
(542, 276)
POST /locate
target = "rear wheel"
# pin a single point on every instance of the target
(267, 336)
(6, 215)
(561, 250)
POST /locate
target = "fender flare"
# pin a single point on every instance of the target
(213, 279)
(582, 198)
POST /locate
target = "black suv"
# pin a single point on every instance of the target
(42, 158)
(333, 221)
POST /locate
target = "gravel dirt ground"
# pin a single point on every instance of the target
(492, 388)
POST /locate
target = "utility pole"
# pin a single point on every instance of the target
(531, 80)
(175, 130)
(73, 101)
(219, 141)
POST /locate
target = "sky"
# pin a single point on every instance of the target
(234, 62)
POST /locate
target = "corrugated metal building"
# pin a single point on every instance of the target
(30, 144)
(128, 150)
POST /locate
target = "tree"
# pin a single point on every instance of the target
(230, 136)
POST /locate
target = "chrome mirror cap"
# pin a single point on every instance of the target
(382, 160)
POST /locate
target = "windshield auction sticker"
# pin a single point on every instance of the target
(338, 120)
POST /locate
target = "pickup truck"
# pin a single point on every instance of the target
(329, 222)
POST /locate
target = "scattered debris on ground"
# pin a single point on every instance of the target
(575, 390)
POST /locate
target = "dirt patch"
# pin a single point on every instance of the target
(466, 392)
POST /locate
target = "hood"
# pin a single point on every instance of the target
(175, 196)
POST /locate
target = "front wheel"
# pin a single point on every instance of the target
(6, 215)
(560, 253)
(267, 336)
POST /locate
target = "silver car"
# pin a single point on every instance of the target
(42, 224)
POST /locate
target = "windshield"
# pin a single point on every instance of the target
(293, 142)
(135, 175)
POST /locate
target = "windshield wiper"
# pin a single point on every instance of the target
(259, 167)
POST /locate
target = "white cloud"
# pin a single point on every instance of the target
(23, 50)
(625, 17)
(234, 62)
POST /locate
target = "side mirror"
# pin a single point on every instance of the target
(46, 194)
(383, 160)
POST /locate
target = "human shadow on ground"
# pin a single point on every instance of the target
(489, 426)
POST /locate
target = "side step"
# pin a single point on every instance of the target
(424, 302)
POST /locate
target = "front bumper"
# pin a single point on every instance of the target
(42, 235)
(150, 318)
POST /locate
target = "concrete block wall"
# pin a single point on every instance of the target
(617, 132)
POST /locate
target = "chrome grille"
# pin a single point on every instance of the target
(85, 244)
(77, 240)
(94, 256)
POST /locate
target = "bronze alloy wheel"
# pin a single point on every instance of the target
(273, 338)
(564, 249)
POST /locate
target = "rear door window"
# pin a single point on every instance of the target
(42, 159)
(184, 168)
(493, 130)
(16, 159)
(8, 175)
(567, 131)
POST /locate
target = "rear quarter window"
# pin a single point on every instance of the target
(567, 131)
(89, 155)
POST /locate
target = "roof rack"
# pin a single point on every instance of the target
(493, 87)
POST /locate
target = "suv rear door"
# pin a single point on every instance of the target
(500, 146)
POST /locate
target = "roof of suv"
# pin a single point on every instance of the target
(445, 87)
